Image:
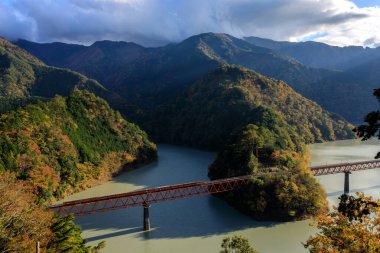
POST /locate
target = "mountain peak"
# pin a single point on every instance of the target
(115, 44)
(215, 37)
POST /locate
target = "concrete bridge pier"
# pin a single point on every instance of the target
(146, 217)
(347, 182)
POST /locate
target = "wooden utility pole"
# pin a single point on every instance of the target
(38, 247)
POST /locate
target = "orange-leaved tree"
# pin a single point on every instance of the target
(353, 227)
(23, 221)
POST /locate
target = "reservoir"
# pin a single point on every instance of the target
(199, 224)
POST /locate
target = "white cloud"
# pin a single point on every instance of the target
(365, 32)
(154, 22)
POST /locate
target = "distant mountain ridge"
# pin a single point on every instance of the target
(136, 72)
(200, 53)
(320, 55)
(101, 58)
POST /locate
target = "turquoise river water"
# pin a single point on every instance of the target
(199, 224)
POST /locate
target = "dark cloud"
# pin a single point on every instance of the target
(152, 22)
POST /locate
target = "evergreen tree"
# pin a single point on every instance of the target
(68, 237)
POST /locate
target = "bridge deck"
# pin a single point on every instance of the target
(147, 196)
(345, 167)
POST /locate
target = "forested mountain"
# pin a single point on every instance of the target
(104, 61)
(320, 55)
(67, 144)
(225, 100)
(157, 74)
(178, 64)
(51, 149)
(54, 146)
(348, 90)
(263, 148)
(23, 78)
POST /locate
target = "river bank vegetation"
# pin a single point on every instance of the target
(68, 144)
(51, 149)
(289, 194)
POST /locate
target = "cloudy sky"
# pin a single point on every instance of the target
(157, 22)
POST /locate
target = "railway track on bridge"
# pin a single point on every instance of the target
(345, 167)
(146, 197)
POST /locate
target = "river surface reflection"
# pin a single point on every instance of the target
(199, 224)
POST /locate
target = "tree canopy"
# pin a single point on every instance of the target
(230, 97)
(49, 149)
(68, 144)
(236, 244)
(291, 193)
(353, 227)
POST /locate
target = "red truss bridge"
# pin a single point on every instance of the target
(345, 167)
(148, 196)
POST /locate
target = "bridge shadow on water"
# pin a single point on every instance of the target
(352, 191)
(197, 217)
(203, 216)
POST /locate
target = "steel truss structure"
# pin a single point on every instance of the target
(148, 196)
(345, 167)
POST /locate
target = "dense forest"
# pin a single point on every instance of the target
(64, 144)
(262, 149)
(51, 149)
(230, 97)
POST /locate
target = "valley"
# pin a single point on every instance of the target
(75, 116)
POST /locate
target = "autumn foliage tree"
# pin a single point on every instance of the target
(22, 220)
(353, 227)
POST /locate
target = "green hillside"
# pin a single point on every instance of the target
(68, 144)
(227, 99)
(55, 146)
(24, 78)
(263, 148)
